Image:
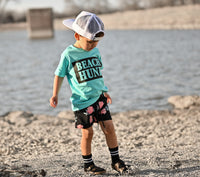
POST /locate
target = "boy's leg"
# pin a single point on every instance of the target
(86, 142)
(84, 120)
(109, 131)
(111, 139)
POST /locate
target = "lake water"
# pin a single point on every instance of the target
(142, 68)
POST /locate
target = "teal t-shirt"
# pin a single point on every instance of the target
(83, 71)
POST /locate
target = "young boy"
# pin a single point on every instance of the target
(82, 65)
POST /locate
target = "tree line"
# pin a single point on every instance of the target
(72, 7)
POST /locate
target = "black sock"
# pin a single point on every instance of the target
(114, 154)
(87, 160)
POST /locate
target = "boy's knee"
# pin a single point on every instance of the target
(87, 133)
(108, 129)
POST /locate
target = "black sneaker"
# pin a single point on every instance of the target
(119, 167)
(94, 170)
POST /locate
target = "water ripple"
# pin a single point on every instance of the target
(141, 68)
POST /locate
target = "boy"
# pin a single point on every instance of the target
(82, 65)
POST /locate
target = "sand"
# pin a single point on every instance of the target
(152, 143)
(178, 17)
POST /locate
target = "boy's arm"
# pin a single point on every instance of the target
(56, 87)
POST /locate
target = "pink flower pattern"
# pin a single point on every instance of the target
(90, 110)
(80, 126)
(103, 111)
(91, 119)
(101, 104)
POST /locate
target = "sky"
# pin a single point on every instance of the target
(23, 5)
(57, 5)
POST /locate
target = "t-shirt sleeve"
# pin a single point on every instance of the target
(61, 70)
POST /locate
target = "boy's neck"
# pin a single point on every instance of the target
(76, 45)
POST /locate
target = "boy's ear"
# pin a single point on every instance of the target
(77, 36)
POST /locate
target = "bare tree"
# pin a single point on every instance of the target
(106, 6)
(96, 6)
(3, 4)
(182, 2)
(71, 8)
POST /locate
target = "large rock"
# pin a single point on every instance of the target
(19, 118)
(184, 102)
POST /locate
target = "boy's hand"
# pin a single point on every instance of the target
(53, 101)
(109, 100)
(56, 87)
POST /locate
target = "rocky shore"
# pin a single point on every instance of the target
(152, 143)
(177, 17)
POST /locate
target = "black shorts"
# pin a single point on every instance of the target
(99, 111)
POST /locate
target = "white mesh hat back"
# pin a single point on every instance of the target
(86, 24)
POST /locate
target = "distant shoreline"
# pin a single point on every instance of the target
(178, 17)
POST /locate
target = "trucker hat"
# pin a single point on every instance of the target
(86, 24)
